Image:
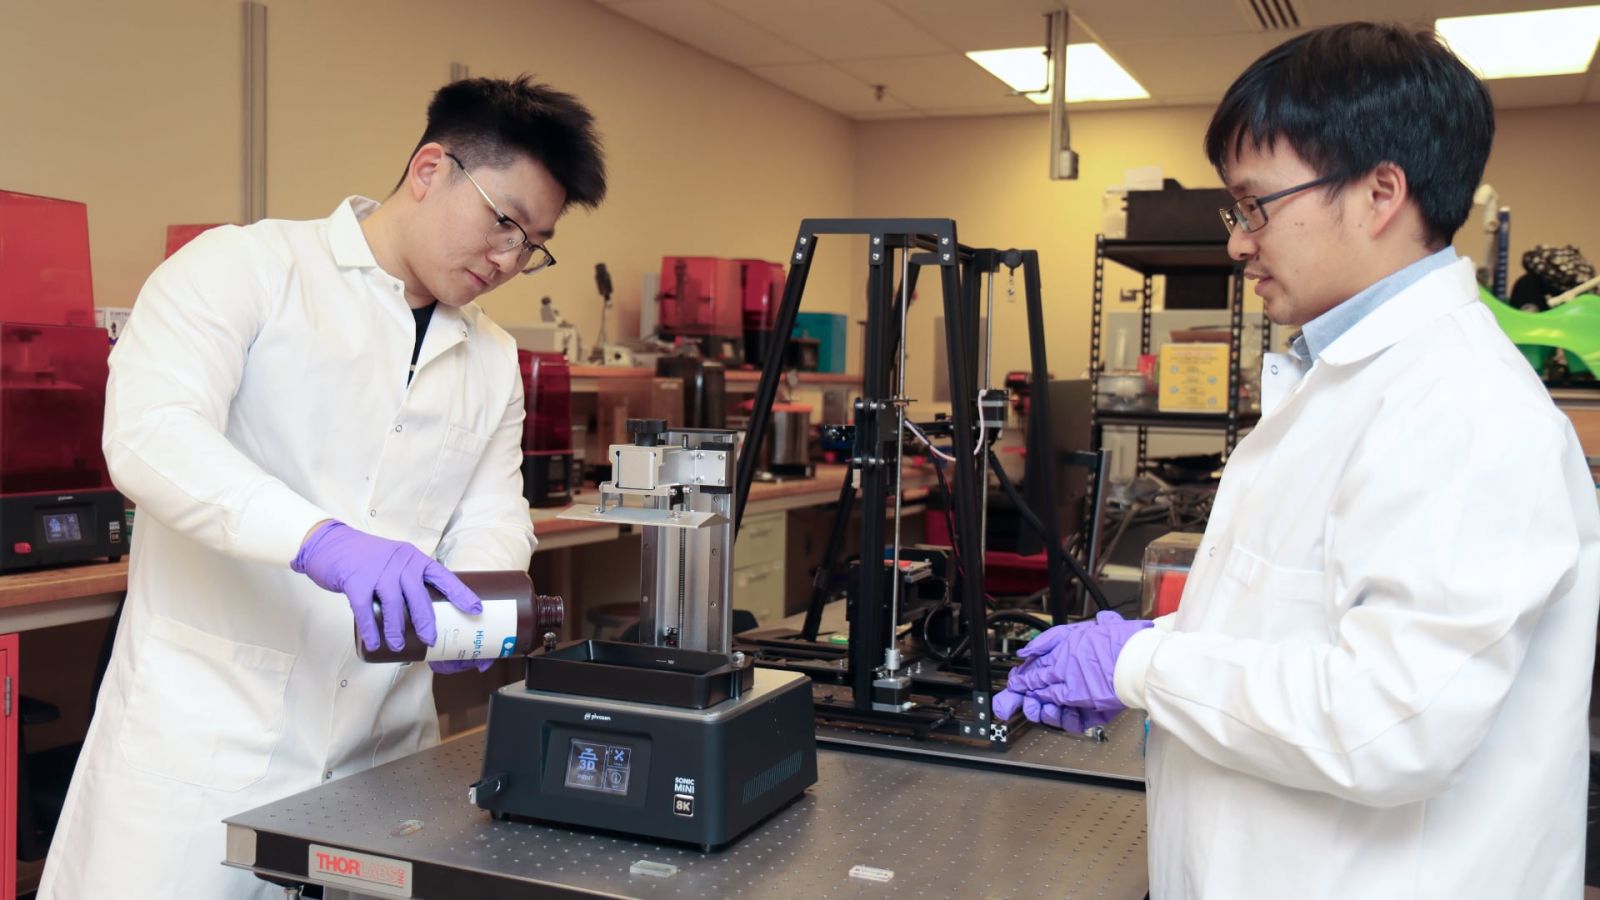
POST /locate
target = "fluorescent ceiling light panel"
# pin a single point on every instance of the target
(1091, 73)
(1523, 44)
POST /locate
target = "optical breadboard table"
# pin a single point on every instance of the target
(872, 826)
(1118, 759)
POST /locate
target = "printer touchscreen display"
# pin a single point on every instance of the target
(62, 528)
(596, 766)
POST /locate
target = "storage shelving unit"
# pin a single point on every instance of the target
(1150, 259)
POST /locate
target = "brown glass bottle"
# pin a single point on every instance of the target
(514, 619)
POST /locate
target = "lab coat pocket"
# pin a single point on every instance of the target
(204, 710)
(459, 456)
(1272, 602)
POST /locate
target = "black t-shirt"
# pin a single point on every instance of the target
(423, 317)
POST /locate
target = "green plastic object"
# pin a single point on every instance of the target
(1573, 326)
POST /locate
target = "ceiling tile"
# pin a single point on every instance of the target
(826, 84)
(892, 114)
(993, 25)
(1177, 65)
(1438, 9)
(1317, 13)
(838, 29)
(929, 82)
(1185, 52)
(1551, 90)
(708, 27)
(1110, 21)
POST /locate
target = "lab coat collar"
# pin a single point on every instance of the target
(449, 326)
(1432, 297)
(345, 238)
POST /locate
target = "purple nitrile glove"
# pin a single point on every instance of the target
(1035, 709)
(452, 666)
(1069, 718)
(1048, 639)
(1083, 652)
(1005, 704)
(365, 567)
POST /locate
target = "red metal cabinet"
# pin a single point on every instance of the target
(8, 761)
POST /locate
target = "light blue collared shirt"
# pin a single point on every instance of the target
(1318, 333)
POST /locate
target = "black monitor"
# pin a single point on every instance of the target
(1069, 413)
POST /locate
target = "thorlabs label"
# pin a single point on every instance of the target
(371, 874)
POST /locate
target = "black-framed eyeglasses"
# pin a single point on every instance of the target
(1250, 213)
(507, 234)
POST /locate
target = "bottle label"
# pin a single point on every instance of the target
(465, 638)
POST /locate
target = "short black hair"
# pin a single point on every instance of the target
(490, 121)
(1349, 97)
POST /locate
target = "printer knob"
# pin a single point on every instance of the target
(647, 432)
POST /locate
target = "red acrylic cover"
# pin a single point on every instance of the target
(52, 400)
(763, 290)
(44, 261)
(711, 301)
(547, 389)
(178, 235)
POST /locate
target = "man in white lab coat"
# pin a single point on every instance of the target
(1377, 682)
(312, 417)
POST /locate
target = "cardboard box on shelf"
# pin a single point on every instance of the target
(1193, 378)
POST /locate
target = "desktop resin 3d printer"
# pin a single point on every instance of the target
(547, 469)
(57, 504)
(673, 737)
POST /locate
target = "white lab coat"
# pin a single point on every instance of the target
(1377, 682)
(260, 387)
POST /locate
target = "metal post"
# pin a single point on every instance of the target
(805, 245)
(830, 556)
(891, 657)
(1235, 338)
(964, 471)
(865, 642)
(991, 268)
(253, 193)
(1039, 447)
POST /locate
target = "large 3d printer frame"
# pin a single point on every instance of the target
(881, 683)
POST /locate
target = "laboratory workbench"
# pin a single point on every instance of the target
(586, 379)
(62, 596)
(50, 597)
(941, 831)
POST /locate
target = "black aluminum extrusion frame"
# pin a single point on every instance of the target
(875, 434)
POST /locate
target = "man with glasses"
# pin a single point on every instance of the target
(315, 419)
(1377, 680)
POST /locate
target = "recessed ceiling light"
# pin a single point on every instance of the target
(1523, 44)
(1092, 75)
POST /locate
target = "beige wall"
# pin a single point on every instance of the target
(989, 175)
(1544, 166)
(135, 109)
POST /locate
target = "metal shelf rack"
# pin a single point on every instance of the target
(1150, 259)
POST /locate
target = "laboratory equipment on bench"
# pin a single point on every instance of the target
(57, 504)
(674, 737)
(828, 331)
(705, 390)
(551, 334)
(701, 302)
(547, 467)
(761, 286)
(786, 453)
(1165, 571)
(919, 654)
